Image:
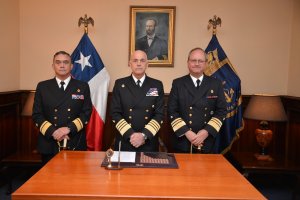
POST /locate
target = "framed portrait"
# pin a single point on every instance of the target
(152, 31)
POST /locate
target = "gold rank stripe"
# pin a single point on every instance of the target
(177, 124)
(44, 127)
(78, 124)
(215, 123)
(122, 126)
(153, 126)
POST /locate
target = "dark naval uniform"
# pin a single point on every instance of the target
(137, 109)
(54, 108)
(194, 109)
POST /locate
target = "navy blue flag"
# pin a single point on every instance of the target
(89, 67)
(220, 67)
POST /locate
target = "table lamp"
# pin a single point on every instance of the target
(265, 108)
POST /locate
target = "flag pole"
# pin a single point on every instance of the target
(214, 22)
(85, 21)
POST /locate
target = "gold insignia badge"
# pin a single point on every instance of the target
(123, 85)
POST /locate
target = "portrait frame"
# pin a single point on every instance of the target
(161, 52)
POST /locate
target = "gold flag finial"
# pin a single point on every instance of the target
(85, 21)
(214, 22)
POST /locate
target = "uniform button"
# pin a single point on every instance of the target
(55, 117)
(69, 117)
(130, 110)
(205, 122)
(161, 122)
(55, 110)
(191, 108)
(113, 121)
(36, 125)
(147, 110)
(190, 129)
(190, 122)
(86, 122)
(152, 106)
(130, 124)
(190, 115)
(129, 117)
(204, 115)
(171, 117)
(211, 112)
(69, 109)
(146, 117)
(205, 108)
(55, 124)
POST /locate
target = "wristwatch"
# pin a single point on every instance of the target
(145, 136)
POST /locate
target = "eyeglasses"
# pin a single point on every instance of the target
(66, 62)
(137, 60)
(194, 61)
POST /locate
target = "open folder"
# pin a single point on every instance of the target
(142, 160)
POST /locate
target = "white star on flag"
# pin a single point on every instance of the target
(84, 61)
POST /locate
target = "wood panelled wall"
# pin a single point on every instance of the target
(18, 133)
(9, 122)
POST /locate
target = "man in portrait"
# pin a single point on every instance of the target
(155, 47)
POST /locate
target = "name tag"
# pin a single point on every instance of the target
(78, 96)
(152, 92)
(212, 97)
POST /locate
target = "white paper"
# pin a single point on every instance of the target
(125, 156)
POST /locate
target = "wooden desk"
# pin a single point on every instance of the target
(71, 175)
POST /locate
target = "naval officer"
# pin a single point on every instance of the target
(137, 107)
(196, 107)
(61, 110)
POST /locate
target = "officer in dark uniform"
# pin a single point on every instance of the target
(61, 110)
(196, 107)
(137, 107)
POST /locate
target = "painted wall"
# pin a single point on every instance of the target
(9, 45)
(256, 35)
(294, 71)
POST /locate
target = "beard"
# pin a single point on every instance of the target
(150, 32)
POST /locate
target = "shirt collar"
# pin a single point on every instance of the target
(67, 80)
(141, 79)
(195, 79)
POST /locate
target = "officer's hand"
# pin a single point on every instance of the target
(190, 135)
(63, 137)
(60, 133)
(137, 139)
(65, 130)
(200, 137)
(57, 134)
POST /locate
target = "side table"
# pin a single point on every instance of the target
(247, 164)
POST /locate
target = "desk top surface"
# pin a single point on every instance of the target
(78, 174)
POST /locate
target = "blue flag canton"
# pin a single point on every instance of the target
(86, 60)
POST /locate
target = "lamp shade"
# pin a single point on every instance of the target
(27, 109)
(265, 107)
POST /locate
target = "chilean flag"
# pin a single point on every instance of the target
(89, 67)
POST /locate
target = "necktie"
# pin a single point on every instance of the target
(62, 86)
(198, 83)
(138, 83)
